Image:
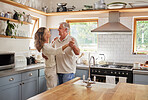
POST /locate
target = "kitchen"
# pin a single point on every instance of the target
(117, 48)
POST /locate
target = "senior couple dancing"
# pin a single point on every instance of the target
(60, 55)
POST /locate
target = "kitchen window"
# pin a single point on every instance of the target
(140, 36)
(81, 30)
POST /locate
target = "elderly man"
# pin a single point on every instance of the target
(66, 63)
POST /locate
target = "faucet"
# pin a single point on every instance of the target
(88, 81)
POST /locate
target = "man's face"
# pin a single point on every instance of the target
(61, 30)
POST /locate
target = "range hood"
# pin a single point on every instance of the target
(113, 25)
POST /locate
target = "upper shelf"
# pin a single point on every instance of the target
(13, 20)
(140, 9)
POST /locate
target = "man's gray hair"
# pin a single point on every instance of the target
(66, 26)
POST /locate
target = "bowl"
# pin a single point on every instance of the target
(116, 6)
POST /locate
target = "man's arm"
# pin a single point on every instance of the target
(74, 47)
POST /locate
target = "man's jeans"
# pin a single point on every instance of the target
(65, 77)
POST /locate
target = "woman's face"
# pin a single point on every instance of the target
(47, 34)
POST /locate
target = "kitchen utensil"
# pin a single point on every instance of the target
(61, 7)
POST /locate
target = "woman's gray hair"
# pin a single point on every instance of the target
(66, 26)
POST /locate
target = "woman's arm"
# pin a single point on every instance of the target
(49, 50)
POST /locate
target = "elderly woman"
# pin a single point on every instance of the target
(42, 44)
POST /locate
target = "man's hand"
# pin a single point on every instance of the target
(71, 43)
(44, 57)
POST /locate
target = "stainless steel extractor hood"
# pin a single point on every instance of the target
(113, 25)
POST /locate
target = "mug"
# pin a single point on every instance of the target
(136, 65)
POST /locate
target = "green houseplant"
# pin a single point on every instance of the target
(11, 27)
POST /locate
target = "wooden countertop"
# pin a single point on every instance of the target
(70, 91)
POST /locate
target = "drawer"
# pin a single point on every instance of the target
(142, 78)
(29, 75)
(41, 72)
(10, 79)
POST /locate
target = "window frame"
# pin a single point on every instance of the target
(36, 22)
(84, 20)
(134, 35)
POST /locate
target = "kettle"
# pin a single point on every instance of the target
(99, 5)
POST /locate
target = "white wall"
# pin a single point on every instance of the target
(117, 48)
(17, 45)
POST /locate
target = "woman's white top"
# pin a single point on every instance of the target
(50, 53)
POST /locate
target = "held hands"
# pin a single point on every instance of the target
(72, 42)
(55, 39)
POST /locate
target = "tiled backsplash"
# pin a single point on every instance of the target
(118, 48)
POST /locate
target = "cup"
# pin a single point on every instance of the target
(136, 65)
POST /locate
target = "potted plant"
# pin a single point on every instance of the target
(10, 28)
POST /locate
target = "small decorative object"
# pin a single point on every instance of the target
(2, 14)
(16, 15)
(116, 5)
(71, 9)
(29, 18)
(45, 9)
(8, 15)
(61, 7)
(88, 7)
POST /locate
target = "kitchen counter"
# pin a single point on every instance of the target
(82, 66)
(72, 91)
(139, 71)
(21, 69)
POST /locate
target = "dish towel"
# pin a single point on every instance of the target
(110, 79)
(122, 79)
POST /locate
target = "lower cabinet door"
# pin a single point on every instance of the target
(42, 84)
(29, 88)
(81, 72)
(10, 92)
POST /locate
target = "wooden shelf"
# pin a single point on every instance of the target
(140, 9)
(13, 20)
(17, 37)
(23, 6)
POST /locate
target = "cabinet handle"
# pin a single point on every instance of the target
(30, 74)
(11, 79)
(20, 83)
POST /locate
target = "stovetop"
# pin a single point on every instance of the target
(119, 67)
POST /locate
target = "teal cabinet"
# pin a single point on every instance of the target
(20, 86)
(29, 84)
(81, 72)
(10, 87)
(42, 81)
(140, 79)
